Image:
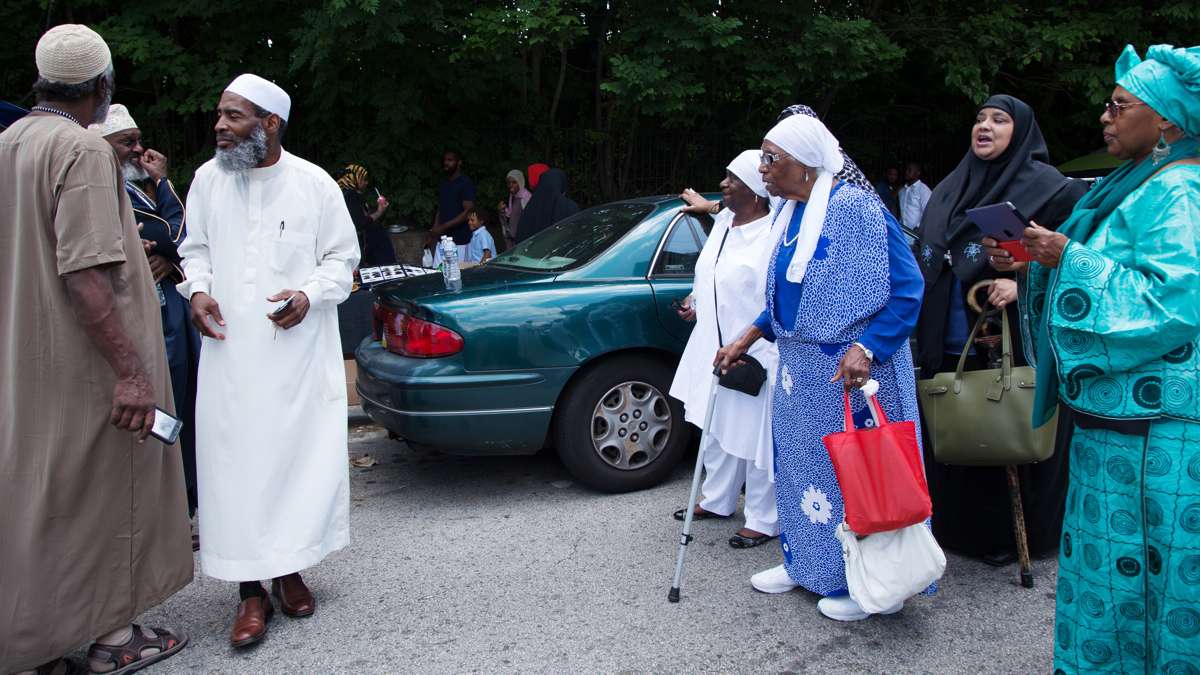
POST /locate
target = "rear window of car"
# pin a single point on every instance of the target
(573, 241)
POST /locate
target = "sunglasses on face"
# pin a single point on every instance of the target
(1113, 108)
(769, 158)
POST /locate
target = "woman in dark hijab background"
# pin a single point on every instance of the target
(1008, 161)
(548, 205)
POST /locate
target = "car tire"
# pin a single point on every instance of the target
(589, 421)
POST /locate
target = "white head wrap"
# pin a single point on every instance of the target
(809, 142)
(71, 54)
(745, 167)
(118, 119)
(262, 93)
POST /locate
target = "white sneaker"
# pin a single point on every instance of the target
(774, 580)
(844, 608)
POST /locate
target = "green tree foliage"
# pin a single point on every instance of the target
(628, 97)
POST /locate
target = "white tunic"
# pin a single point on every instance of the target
(271, 433)
(741, 424)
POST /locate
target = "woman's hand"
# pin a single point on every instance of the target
(686, 310)
(1046, 246)
(1000, 258)
(1002, 292)
(696, 203)
(730, 355)
(854, 370)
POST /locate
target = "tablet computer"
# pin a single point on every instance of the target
(1004, 223)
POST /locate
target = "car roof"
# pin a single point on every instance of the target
(658, 200)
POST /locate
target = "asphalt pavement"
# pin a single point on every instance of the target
(506, 564)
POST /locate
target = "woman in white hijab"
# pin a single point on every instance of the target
(728, 293)
(843, 294)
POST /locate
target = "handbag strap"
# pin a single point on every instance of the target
(716, 306)
(1005, 347)
(876, 411)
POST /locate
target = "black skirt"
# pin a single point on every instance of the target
(971, 505)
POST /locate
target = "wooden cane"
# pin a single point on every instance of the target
(1018, 515)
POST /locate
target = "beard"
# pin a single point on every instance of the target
(134, 171)
(247, 154)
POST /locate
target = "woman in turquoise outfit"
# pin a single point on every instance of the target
(1115, 299)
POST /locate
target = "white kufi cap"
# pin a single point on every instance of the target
(118, 119)
(72, 54)
(262, 93)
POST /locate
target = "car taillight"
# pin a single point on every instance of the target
(409, 336)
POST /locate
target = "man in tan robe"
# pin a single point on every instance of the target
(93, 513)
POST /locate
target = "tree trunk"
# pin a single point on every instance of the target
(562, 76)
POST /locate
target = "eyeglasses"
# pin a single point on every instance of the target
(1114, 109)
(769, 158)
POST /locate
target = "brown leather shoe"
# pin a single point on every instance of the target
(250, 626)
(294, 597)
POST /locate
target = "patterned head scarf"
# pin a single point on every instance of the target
(850, 172)
(352, 176)
(1168, 79)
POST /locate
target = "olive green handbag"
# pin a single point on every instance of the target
(984, 417)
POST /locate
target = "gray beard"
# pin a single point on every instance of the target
(246, 155)
(134, 172)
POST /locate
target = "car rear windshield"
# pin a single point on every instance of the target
(573, 241)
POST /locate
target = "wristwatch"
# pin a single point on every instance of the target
(869, 354)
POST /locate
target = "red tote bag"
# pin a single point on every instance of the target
(880, 473)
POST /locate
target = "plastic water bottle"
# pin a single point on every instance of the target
(450, 271)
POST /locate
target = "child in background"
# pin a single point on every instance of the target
(482, 247)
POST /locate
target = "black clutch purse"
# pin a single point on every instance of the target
(747, 377)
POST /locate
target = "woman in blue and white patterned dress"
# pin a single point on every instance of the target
(843, 296)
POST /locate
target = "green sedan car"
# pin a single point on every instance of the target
(569, 340)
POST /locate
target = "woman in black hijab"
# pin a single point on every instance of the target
(1008, 161)
(548, 205)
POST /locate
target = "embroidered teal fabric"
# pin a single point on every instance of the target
(1117, 321)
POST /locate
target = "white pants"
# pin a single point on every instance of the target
(724, 476)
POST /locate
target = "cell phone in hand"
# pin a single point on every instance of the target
(166, 428)
(1004, 223)
(279, 309)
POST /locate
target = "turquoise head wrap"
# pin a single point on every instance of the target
(1168, 79)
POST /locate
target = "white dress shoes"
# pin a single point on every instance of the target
(774, 580)
(844, 608)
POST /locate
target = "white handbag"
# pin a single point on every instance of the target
(887, 568)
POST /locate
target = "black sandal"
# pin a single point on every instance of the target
(703, 515)
(128, 657)
(738, 541)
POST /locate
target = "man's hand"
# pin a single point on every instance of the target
(155, 164)
(1002, 292)
(204, 308)
(295, 312)
(1045, 246)
(133, 405)
(160, 267)
(854, 370)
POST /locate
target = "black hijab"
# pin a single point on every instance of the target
(548, 205)
(1021, 175)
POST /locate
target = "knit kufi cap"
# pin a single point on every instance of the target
(118, 119)
(72, 54)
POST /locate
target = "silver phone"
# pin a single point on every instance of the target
(166, 428)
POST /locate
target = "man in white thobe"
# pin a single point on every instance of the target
(267, 229)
